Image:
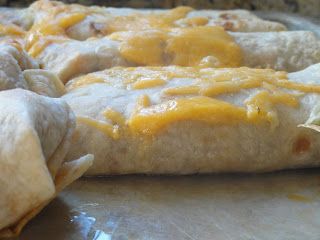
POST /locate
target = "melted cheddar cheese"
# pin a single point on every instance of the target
(11, 30)
(188, 47)
(48, 31)
(146, 39)
(194, 98)
(141, 84)
(136, 22)
(106, 128)
(114, 116)
(150, 120)
(194, 21)
(181, 46)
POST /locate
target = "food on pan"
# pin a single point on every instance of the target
(35, 136)
(198, 46)
(19, 70)
(10, 31)
(83, 22)
(22, 18)
(182, 91)
(182, 120)
(13, 61)
(14, 23)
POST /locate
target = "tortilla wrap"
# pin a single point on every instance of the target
(175, 120)
(14, 16)
(289, 51)
(19, 70)
(99, 21)
(35, 135)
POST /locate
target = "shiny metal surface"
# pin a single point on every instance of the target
(283, 205)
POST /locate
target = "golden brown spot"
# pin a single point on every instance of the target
(76, 135)
(227, 16)
(299, 198)
(228, 25)
(301, 145)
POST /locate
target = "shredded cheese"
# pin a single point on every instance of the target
(182, 46)
(106, 128)
(196, 99)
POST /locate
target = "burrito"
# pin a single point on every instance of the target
(35, 136)
(11, 31)
(19, 70)
(14, 23)
(22, 18)
(198, 46)
(186, 120)
(80, 22)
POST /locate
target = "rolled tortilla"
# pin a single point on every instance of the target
(175, 120)
(35, 136)
(13, 61)
(289, 51)
(22, 18)
(19, 70)
(84, 22)
(14, 23)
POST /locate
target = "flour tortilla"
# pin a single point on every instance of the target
(187, 147)
(19, 17)
(100, 17)
(35, 137)
(288, 51)
(19, 70)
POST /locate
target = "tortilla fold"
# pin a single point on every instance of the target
(35, 134)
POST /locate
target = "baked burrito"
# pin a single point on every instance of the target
(14, 23)
(35, 136)
(198, 46)
(84, 22)
(184, 120)
(22, 18)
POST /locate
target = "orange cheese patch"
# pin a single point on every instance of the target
(181, 46)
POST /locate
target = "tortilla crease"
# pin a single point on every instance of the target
(19, 70)
(45, 150)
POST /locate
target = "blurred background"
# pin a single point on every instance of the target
(304, 7)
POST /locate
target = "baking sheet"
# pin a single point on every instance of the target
(282, 205)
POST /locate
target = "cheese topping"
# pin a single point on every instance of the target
(146, 39)
(35, 49)
(141, 84)
(132, 78)
(188, 46)
(261, 106)
(111, 130)
(48, 31)
(84, 80)
(114, 116)
(182, 46)
(194, 21)
(151, 120)
(143, 102)
(136, 22)
(106, 128)
(193, 98)
(11, 30)
(208, 81)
